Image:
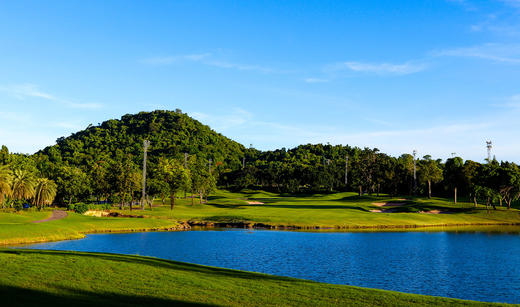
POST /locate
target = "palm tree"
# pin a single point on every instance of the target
(5, 183)
(23, 185)
(45, 192)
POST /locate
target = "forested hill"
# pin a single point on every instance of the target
(171, 134)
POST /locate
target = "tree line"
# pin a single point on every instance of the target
(187, 159)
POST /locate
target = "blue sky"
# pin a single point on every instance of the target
(438, 76)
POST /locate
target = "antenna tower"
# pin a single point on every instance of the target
(489, 146)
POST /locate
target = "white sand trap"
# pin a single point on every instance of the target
(376, 210)
(254, 202)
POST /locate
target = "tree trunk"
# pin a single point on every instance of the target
(192, 201)
(378, 188)
(206, 198)
(200, 197)
(172, 201)
(360, 190)
(429, 189)
(455, 195)
(509, 204)
(500, 201)
(150, 203)
(475, 201)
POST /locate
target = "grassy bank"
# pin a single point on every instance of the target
(55, 278)
(18, 228)
(337, 210)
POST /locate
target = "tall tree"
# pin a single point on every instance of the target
(45, 192)
(5, 183)
(453, 174)
(23, 185)
(429, 172)
(175, 175)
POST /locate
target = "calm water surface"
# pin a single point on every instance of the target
(469, 265)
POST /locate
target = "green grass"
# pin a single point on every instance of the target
(56, 278)
(338, 210)
(17, 228)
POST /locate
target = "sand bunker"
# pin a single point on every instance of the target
(254, 202)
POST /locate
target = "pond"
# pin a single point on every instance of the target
(481, 266)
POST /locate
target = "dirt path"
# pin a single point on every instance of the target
(56, 215)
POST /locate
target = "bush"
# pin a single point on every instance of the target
(18, 205)
(81, 208)
(71, 207)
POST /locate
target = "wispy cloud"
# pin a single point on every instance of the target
(512, 102)
(504, 53)
(513, 3)
(236, 117)
(380, 68)
(209, 59)
(315, 80)
(168, 60)
(23, 91)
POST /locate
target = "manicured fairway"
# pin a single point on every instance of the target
(55, 278)
(338, 210)
(335, 211)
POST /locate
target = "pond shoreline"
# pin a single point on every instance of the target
(254, 225)
(208, 225)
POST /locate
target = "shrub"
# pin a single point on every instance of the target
(71, 207)
(18, 205)
(81, 208)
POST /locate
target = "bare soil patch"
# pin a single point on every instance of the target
(56, 215)
(254, 202)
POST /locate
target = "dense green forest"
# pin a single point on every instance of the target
(104, 163)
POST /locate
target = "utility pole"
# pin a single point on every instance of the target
(414, 172)
(243, 162)
(185, 167)
(346, 170)
(146, 144)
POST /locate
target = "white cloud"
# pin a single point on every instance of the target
(208, 59)
(466, 138)
(513, 3)
(315, 80)
(168, 60)
(381, 68)
(504, 53)
(23, 91)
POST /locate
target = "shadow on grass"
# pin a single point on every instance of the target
(360, 199)
(17, 296)
(298, 206)
(155, 262)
